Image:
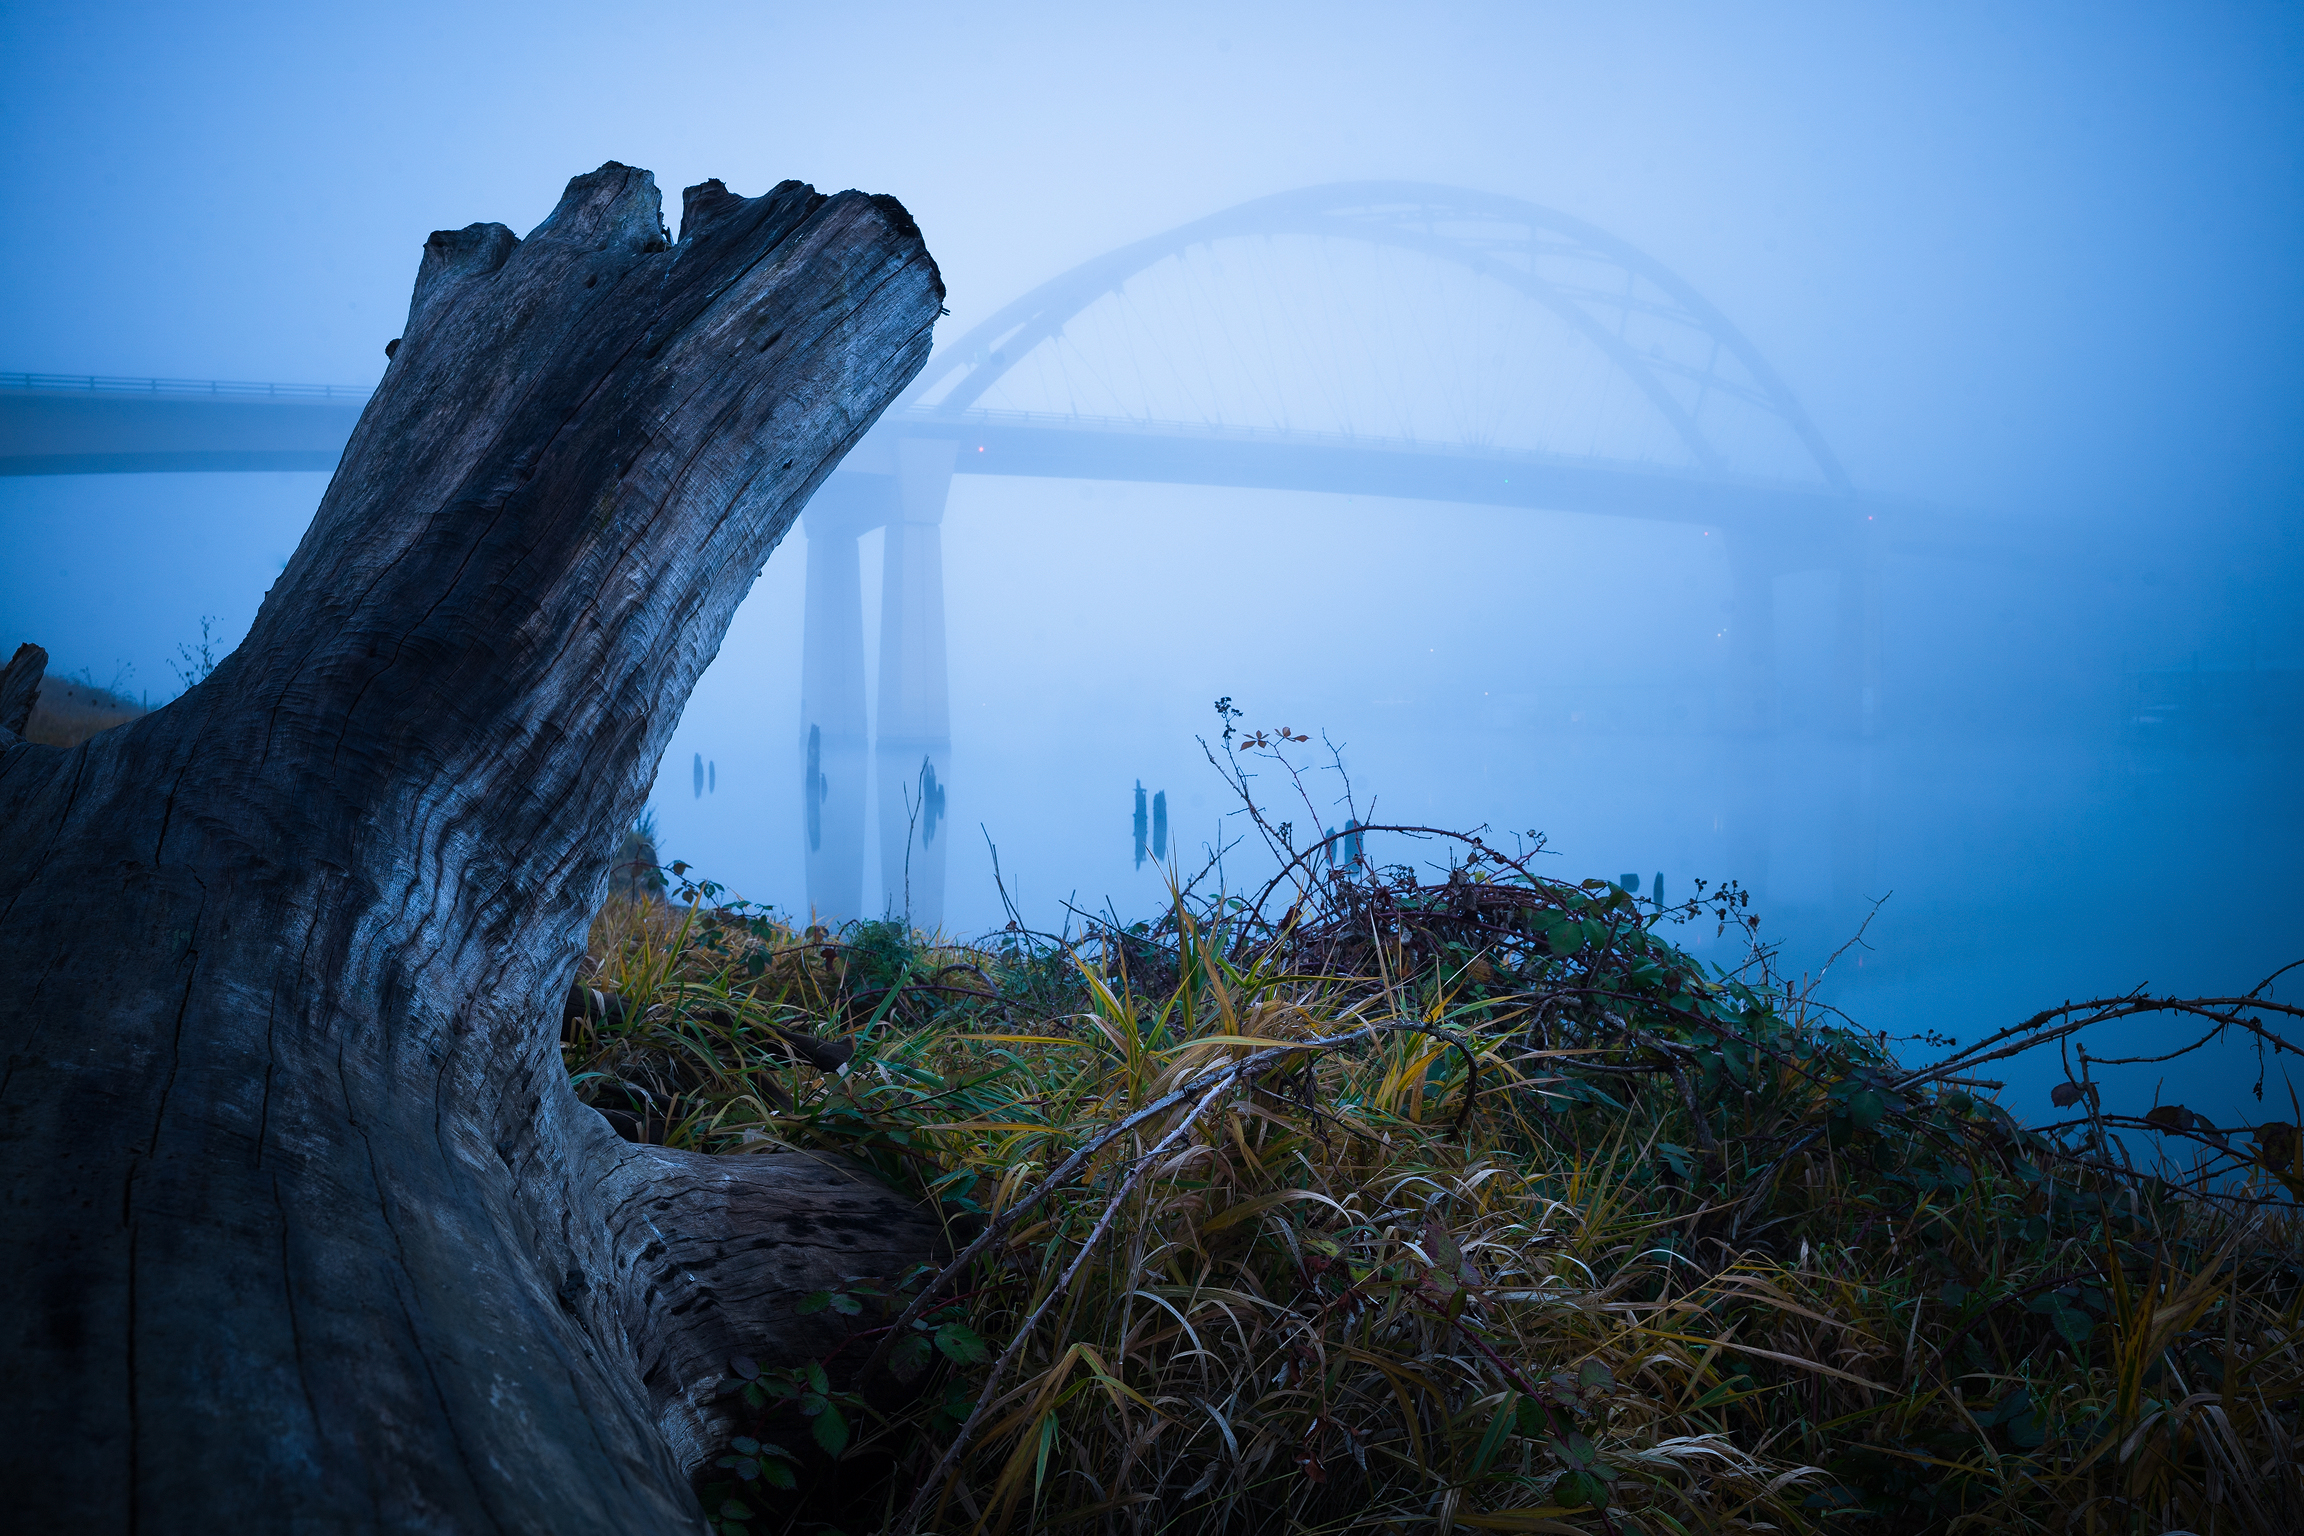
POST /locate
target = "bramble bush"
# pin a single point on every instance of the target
(1470, 1200)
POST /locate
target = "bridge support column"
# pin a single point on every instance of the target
(832, 727)
(1744, 814)
(1856, 651)
(1748, 700)
(913, 750)
(1856, 829)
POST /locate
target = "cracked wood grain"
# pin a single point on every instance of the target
(304, 1229)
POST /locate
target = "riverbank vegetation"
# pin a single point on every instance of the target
(69, 710)
(1383, 1199)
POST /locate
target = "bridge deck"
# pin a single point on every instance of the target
(52, 425)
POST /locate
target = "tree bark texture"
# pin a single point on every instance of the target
(305, 1229)
(20, 687)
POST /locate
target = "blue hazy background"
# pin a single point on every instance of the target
(2037, 262)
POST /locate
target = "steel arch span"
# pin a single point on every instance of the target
(1653, 328)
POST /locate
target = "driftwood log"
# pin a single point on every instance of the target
(304, 1227)
(20, 687)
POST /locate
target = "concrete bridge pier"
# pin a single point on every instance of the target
(1856, 648)
(1751, 710)
(1748, 701)
(1751, 699)
(834, 746)
(912, 751)
(1856, 828)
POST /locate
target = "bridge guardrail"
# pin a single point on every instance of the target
(219, 389)
(928, 419)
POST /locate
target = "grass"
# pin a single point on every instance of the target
(1471, 1204)
(70, 710)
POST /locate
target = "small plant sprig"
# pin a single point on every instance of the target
(193, 663)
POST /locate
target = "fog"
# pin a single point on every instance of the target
(2032, 278)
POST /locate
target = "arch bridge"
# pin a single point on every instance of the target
(1374, 338)
(1691, 425)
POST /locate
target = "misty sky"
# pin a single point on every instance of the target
(2036, 261)
(2031, 255)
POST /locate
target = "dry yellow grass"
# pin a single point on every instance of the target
(69, 711)
(1555, 1232)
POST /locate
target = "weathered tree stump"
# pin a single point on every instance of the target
(304, 1228)
(20, 687)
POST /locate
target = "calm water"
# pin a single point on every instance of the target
(2026, 845)
(1523, 673)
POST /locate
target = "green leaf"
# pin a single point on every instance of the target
(846, 1304)
(831, 1430)
(1498, 1429)
(1866, 1108)
(746, 1445)
(910, 1356)
(777, 1475)
(1533, 1421)
(814, 1301)
(1578, 1490)
(1047, 1444)
(1591, 1093)
(735, 1509)
(1595, 1377)
(961, 1345)
(742, 1365)
(816, 1377)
